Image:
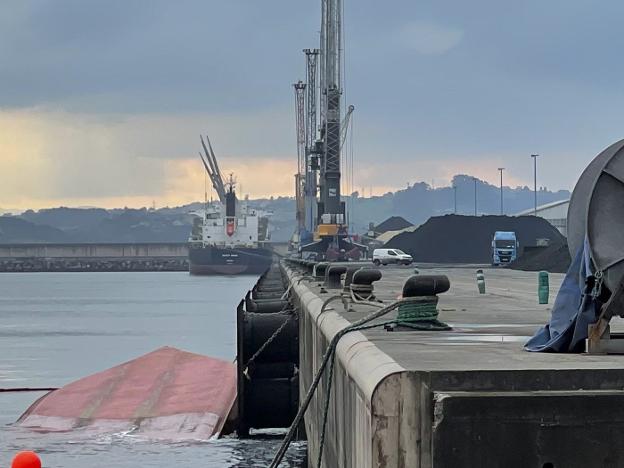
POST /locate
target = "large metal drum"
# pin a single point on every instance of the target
(597, 210)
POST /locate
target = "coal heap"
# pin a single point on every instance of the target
(394, 223)
(468, 239)
(554, 259)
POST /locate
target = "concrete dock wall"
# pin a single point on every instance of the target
(466, 397)
(371, 416)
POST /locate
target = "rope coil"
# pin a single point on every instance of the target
(421, 315)
(362, 292)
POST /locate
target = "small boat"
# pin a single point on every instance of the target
(167, 394)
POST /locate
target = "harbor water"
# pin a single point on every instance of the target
(58, 327)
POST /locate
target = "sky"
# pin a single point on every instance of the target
(102, 102)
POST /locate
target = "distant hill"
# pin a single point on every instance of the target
(16, 230)
(418, 202)
(412, 205)
(67, 219)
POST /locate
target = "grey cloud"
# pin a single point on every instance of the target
(429, 38)
(528, 76)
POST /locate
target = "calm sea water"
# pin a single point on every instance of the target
(59, 327)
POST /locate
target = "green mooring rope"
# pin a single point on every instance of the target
(420, 316)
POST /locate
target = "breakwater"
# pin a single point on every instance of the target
(171, 256)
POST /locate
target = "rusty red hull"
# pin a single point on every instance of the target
(166, 394)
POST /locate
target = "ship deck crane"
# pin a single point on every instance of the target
(211, 165)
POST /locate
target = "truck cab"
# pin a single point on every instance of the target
(504, 248)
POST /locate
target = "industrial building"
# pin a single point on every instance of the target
(556, 213)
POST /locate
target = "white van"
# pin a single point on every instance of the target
(386, 256)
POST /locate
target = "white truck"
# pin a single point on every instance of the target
(388, 256)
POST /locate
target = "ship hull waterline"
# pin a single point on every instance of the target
(209, 260)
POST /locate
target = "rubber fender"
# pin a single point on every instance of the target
(270, 286)
(271, 403)
(426, 285)
(275, 295)
(258, 328)
(266, 305)
(273, 370)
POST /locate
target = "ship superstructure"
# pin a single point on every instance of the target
(228, 235)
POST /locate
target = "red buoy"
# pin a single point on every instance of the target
(26, 459)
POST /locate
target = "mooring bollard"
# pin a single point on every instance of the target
(543, 287)
(481, 281)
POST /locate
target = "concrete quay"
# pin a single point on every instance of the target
(467, 397)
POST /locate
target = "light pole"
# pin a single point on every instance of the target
(501, 169)
(534, 156)
(475, 190)
(454, 199)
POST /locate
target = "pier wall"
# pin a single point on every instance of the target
(372, 414)
(463, 398)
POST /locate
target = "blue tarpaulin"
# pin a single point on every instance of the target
(574, 310)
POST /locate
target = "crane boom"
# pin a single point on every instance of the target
(212, 168)
(344, 127)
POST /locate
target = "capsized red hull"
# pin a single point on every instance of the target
(166, 394)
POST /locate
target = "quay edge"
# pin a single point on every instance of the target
(457, 398)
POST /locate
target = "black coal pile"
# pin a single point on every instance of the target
(394, 223)
(555, 258)
(468, 239)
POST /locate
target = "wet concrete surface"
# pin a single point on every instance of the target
(489, 330)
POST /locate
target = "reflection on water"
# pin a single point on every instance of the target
(58, 327)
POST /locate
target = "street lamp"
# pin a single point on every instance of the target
(534, 156)
(475, 193)
(454, 199)
(501, 169)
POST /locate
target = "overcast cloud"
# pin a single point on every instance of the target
(103, 101)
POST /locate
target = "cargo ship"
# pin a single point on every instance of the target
(228, 237)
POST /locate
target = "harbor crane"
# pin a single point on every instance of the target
(325, 216)
(300, 176)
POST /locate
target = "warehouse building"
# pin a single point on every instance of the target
(556, 213)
